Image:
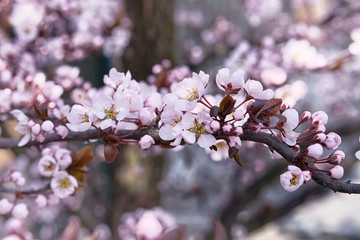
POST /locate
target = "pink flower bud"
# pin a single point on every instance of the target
(5, 206)
(227, 128)
(40, 138)
(47, 126)
(319, 138)
(215, 125)
(332, 141)
(336, 172)
(307, 175)
(31, 123)
(62, 131)
(320, 128)
(15, 225)
(336, 157)
(284, 106)
(15, 176)
(41, 201)
(239, 131)
(234, 141)
(305, 116)
(35, 129)
(20, 182)
(20, 211)
(146, 141)
(145, 116)
(238, 115)
(315, 151)
(319, 117)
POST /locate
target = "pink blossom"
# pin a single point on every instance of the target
(41, 201)
(332, 140)
(234, 141)
(80, 118)
(47, 166)
(196, 129)
(5, 206)
(62, 131)
(20, 210)
(222, 151)
(238, 115)
(171, 118)
(256, 90)
(292, 179)
(214, 125)
(307, 175)
(63, 157)
(22, 127)
(230, 83)
(63, 184)
(336, 172)
(47, 126)
(314, 151)
(36, 129)
(117, 80)
(148, 226)
(319, 117)
(146, 141)
(146, 117)
(289, 136)
(227, 128)
(337, 157)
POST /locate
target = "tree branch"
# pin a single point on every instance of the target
(274, 144)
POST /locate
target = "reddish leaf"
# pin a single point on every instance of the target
(83, 157)
(271, 108)
(226, 105)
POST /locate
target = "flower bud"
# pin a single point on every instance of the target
(20, 211)
(332, 141)
(41, 201)
(336, 157)
(314, 151)
(238, 115)
(215, 125)
(5, 206)
(146, 141)
(227, 128)
(336, 172)
(47, 126)
(319, 117)
(35, 129)
(305, 116)
(62, 131)
(319, 138)
(307, 175)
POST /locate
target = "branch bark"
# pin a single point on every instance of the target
(285, 151)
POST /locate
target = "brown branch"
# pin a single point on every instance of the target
(274, 144)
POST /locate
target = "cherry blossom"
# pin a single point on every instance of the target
(80, 118)
(292, 179)
(63, 184)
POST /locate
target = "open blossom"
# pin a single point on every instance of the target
(292, 179)
(289, 136)
(110, 110)
(22, 127)
(256, 90)
(80, 118)
(47, 166)
(231, 84)
(187, 93)
(171, 118)
(117, 80)
(63, 184)
(197, 129)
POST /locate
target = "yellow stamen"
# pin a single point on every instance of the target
(295, 180)
(111, 112)
(192, 95)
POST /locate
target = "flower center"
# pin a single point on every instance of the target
(176, 120)
(111, 112)
(49, 167)
(84, 118)
(295, 180)
(64, 183)
(192, 95)
(198, 129)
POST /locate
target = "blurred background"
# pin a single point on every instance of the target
(306, 50)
